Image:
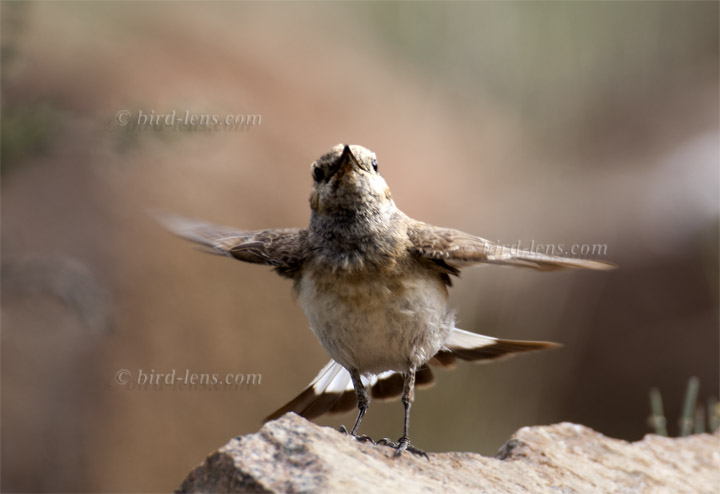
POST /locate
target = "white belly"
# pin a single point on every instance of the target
(375, 325)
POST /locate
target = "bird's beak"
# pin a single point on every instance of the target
(347, 162)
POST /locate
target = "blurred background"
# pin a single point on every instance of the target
(552, 122)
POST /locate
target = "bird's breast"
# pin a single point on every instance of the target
(376, 320)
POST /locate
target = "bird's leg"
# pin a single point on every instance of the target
(408, 397)
(362, 398)
(363, 401)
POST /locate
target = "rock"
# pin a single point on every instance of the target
(293, 455)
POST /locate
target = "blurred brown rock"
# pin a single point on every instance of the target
(294, 455)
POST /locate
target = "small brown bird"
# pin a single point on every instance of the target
(373, 283)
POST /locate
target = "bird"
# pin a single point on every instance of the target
(373, 284)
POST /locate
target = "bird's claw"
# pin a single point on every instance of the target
(403, 445)
(363, 439)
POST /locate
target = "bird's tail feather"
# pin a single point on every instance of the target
(332, 390)
(474, 347)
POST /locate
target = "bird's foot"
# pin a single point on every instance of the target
(363, 439)
(403, 444)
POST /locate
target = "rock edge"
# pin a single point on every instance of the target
(292, 455)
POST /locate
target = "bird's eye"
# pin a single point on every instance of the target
(318, 174)
(374, 165)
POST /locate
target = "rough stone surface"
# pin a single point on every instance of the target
(294, 455)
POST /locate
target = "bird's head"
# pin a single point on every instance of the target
(347, 183)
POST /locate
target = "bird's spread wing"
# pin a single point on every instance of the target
(457, 250)
(280, 248)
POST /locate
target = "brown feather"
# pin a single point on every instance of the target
(459, 249)
(310, 405)
(388, 388)
(297, 405)
(500, 349)
(424, 377)
(283, 249)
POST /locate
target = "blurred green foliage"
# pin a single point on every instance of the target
(693, 417)
(26, 127)
(25, 132)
